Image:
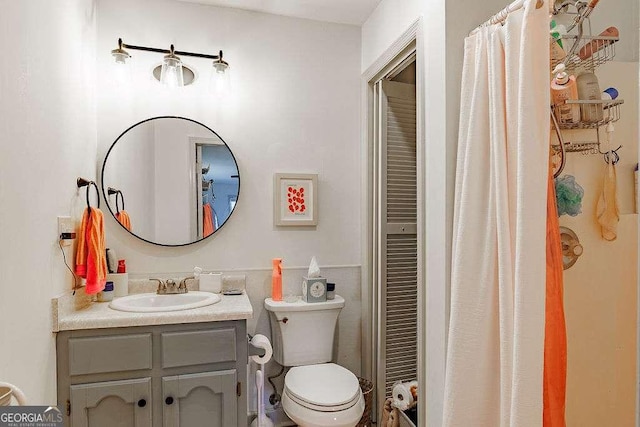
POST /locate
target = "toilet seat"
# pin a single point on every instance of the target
(325, 387)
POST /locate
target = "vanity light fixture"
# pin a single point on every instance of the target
(173, 72)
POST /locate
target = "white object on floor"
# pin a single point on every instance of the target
(496, 336)
(8, 390)
(402, 396)
(261, 342)
(261, 420)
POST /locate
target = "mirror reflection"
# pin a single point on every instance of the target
(170, 181)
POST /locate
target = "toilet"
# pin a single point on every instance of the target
(317, 393)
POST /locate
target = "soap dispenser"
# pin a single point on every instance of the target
(564, 88)
(276, 280)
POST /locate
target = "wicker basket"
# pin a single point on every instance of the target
(367, 392)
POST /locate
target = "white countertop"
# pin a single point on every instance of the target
(73, 313)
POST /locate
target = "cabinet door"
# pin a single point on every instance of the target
(112, 404)
(196, 400)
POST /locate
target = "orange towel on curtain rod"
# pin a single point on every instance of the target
(555, 339)
(91, 261)
(123, 218)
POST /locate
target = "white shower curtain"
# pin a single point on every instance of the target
(496, 336)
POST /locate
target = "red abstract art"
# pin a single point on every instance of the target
(295, 199)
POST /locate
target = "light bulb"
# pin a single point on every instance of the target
(121, 68)
(171, 74)
(220, 82)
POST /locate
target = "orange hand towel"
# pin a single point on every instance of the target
(207, 220)
(555, 339)
(91, 261)
(123, 218)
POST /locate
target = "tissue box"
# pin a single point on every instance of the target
(314, 289)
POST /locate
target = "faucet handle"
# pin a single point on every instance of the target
(162, 286)
(183, 284)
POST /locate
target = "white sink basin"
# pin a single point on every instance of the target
(151, 303)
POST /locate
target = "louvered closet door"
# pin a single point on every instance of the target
(398, 238)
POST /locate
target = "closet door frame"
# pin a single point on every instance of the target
(431, 226)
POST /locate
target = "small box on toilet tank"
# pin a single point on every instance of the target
(314, 289)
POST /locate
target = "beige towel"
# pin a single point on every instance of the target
(607, 209)
(390, 416)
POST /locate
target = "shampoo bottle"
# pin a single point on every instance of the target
(589, 90)
(276, 280)
(564, 88)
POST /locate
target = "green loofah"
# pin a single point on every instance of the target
(569, 196)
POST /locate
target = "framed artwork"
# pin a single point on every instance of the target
(295, 199)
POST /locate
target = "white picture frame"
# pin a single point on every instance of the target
(295, 199)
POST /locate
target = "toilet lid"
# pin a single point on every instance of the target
(324, 386)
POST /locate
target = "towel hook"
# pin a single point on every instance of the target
(119, 193)
(111, 191)
(612, 157)
(81, 182)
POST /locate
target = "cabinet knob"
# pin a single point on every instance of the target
(142, 403)
(169, 400)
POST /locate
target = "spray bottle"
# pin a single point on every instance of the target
(276, 280)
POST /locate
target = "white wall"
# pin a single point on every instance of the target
(294, 108)
(47, 135)
(600, 290)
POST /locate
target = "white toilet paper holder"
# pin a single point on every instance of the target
(253, 350)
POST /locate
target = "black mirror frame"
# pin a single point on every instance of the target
(104, 192)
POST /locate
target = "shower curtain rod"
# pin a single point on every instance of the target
(501, 16)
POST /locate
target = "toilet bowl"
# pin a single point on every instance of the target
(322, 395)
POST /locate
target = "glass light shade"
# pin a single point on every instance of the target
(220, 82)
(120, 70)
(171, 74)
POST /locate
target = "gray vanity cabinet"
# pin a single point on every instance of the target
(112, 403)
(191, 398)
(186, 375)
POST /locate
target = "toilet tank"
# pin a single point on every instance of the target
(302, 333)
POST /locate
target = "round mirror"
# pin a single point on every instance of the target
(170, 181)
